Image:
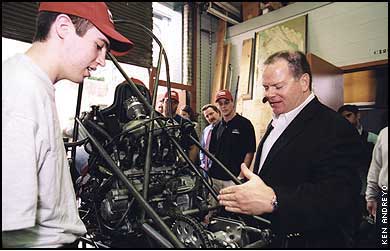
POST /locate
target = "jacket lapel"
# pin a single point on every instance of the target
(293, 129)
(260, 148)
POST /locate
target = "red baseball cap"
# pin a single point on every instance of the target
(99, 15)
(174, 96)
(137, 81)
(223, 94)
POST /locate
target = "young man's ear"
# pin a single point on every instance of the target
(63, 25)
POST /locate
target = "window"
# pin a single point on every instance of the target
(167, 27)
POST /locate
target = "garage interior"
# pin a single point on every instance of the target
(153, 197)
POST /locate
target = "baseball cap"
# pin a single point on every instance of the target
(137, 81)
(223, 94)
(99, 15)
(174, 96)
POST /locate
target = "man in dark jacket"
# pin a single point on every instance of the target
(305, 178)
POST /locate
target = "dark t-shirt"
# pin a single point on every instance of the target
(229, 143)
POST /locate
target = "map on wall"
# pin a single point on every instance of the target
(289, 35)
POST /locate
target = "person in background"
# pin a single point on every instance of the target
(160, 106)
(190, 147)
(377, 180)
(353, 115)
(39, 208)
(232, 142)
(213, 115)
(305, 177)
(187, 112)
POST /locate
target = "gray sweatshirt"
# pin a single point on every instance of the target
(377, 177)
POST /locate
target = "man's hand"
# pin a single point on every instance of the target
(253, 197)
(371, 207)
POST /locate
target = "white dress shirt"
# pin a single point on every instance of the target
(280, 123)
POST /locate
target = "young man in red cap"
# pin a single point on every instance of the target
(174, 104)
(39, 207)
(191, 149)
(232, 141)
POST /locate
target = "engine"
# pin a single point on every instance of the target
(170, 187)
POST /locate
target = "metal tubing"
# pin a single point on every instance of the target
(154, 98)
(151, 109)
(73, 170)
(162, 51)
(234, 178)
(131, 84)
(187, 159)
(156, 236)
(148, 161)
(257, 244)
(197, 210)
(78, 106)
(144, 204)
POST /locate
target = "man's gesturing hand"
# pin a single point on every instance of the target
(253, 197)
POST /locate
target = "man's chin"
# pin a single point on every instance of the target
(78, 79)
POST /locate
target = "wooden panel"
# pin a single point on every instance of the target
(218, 70)
(226, 62)
(356, 67)
(359, 87)
(250, 10)
(243, 85)
(327, 83)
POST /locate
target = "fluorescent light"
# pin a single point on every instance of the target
(221, 15)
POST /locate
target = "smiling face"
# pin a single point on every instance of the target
(283, 91)
(82, 54)
(211, 115)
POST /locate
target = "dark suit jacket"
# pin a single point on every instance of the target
(313, 169)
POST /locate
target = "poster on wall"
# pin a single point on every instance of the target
(289, 35)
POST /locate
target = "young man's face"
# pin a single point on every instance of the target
(83, 54)
(174, 107)
(226, 106)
